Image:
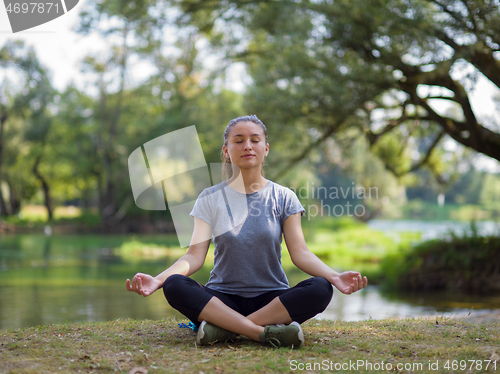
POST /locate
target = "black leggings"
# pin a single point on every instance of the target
(302, 302)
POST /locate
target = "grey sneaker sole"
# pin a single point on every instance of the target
(201, 333)
(226, 335)
(300, 334)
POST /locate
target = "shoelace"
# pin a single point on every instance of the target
(274, 338)
(274, 342)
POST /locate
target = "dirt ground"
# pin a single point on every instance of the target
(482, 317)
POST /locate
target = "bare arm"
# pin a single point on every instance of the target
(190, 263)
(347, 282)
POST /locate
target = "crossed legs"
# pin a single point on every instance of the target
(237, 314)
(219, 314)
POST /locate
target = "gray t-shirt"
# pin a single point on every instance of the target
(247, 233)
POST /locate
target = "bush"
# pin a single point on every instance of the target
(468, 263)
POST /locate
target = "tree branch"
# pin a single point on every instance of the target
(424, 160)
(305, 152)
(392, 124)
(479, 55)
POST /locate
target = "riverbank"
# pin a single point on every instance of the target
(91, 226)
(437, 345)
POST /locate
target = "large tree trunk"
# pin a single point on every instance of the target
(3, 206)
(45, 187)
(15, 203)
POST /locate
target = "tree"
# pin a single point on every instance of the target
(26, 106)
(380, 65)
(178, 92)
(133, 31)
(421, 43)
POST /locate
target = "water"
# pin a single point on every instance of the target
(372, 303)
(432, 230)
(77, 278)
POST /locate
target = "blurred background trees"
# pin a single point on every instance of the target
(354, 94)
(26, 147)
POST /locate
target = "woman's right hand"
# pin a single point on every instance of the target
(143, 284)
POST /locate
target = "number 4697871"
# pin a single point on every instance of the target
(32, 8)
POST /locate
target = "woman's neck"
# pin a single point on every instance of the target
(246, 180)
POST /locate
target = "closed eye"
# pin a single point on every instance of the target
(253, 141)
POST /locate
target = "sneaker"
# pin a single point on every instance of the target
(210, 334)
(283, 336)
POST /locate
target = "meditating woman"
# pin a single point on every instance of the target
(248, 292)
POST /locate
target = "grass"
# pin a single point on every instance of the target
(346, 244)
(422, 210)
(161, 347)
(36, 216)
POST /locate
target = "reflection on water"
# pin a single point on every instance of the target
(41, 305)
(75, 278)
(372, 303)
(59, 279)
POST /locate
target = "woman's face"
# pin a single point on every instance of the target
(246, 145)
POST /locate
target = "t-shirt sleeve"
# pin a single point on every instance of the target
(202, 208)
(291, 205)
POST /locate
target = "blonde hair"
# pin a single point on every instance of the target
(227, 166)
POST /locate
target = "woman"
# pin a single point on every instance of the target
(248, 293)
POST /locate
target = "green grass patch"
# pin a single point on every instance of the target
(346, 244)
(36, 216)
(161, 347)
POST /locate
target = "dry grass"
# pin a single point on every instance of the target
(125, 346)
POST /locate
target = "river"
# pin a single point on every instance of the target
(76, 278)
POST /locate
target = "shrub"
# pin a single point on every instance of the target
(469, 263)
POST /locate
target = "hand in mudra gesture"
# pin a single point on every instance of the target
(143, 284)
(349, 282)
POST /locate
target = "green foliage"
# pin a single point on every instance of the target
(91, 137)
(467, 262)
(87, 218)
(135, 251)
(490, 193)
(26, 111)
(335, 82)
(345, 243)
(334, 223)
(394, 152)
(321, 67)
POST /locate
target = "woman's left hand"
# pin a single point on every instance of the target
(349, 282)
